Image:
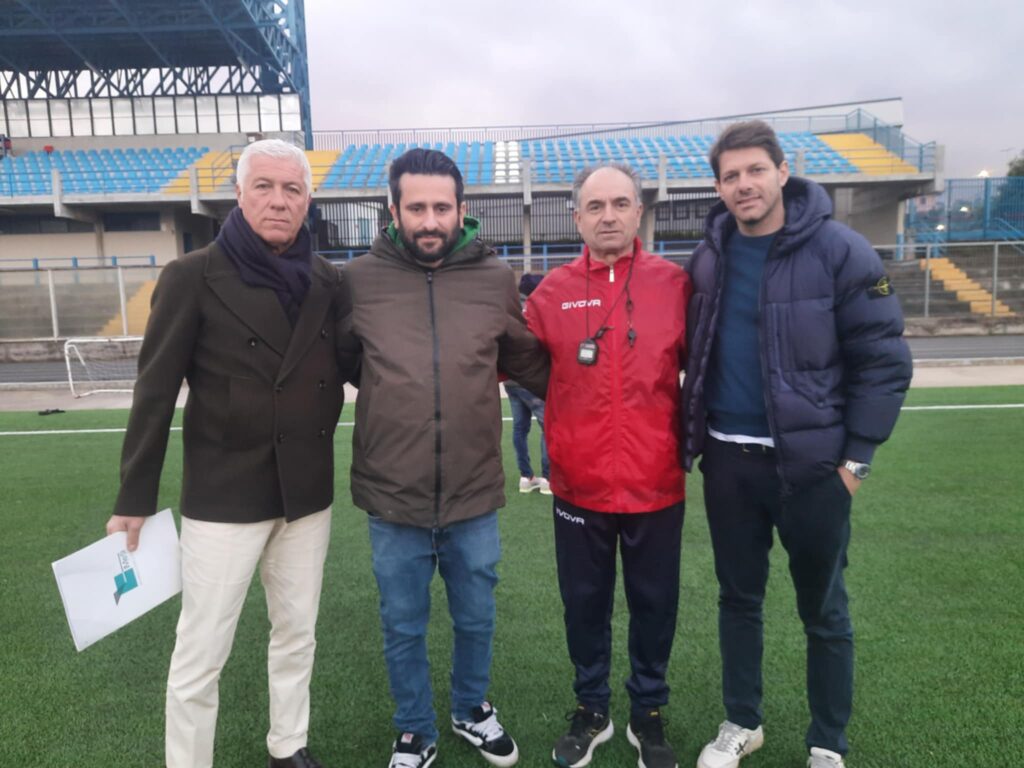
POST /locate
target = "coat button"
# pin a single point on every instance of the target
(322, 433)
(321, 384)
(278, 389)
(323, 333)
(280, 437)
(253, 341)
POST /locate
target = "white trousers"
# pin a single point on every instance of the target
(217, 564)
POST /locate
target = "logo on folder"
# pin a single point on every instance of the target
(126, 580)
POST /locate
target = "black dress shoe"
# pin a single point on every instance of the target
(301, 759)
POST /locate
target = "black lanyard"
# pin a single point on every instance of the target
(630, 334)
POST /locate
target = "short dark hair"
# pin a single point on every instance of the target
(428, 162)
(751, 133)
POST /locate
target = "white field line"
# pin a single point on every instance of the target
(960, 407)
(23, 433)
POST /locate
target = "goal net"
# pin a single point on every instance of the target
(102, 364)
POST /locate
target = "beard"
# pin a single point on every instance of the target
(411, 242)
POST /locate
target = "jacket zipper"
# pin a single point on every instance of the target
(616, 363)
(437, 401)
(709, 337)
(766, 381)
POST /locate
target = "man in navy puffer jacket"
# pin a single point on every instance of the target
(797, 372)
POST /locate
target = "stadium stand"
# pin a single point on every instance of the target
(215, 170)
(137, 309)
(966, 289)
(558, 160)
(364, 166)
(95, 171)
(865, 155)
(919, 296)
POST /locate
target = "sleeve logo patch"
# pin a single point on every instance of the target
(882, 288)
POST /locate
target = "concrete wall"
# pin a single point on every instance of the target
(97, 247)
(87, 246)
(873, 212)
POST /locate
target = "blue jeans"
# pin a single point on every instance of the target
(404, 557)
(524, 404)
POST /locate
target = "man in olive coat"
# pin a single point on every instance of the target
(432, 314)
(249, 322)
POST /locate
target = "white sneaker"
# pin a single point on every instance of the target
(825, 758)
(544, 486)
(732, 744)
(528, 484)
(408, 752)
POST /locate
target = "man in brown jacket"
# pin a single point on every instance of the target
(433, 314)
(249, 322)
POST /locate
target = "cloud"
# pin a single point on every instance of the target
(459, 63)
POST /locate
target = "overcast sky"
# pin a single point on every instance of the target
(958, 66)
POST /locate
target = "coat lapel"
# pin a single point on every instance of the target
(310, 325)
(257, 308)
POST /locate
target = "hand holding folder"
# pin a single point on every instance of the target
(105, 586)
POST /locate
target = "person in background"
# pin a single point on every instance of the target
(526, 406)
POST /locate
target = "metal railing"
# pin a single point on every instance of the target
(818, 123)
(981, 279)
(56, 303)
(969, 210)
(38, 263)
(984, 279)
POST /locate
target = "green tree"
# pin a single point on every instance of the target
(1016, 167)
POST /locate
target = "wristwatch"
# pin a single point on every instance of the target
(857, 469)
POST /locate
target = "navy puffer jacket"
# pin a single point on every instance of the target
(835, 365)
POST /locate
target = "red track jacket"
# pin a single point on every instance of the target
(613, 428)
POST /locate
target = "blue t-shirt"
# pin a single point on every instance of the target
(735, 388)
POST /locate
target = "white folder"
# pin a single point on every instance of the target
(104, 586)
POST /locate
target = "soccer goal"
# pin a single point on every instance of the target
(102, 364)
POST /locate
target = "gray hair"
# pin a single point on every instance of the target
(278, 149)
(589, 171)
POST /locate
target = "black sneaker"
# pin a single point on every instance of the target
(485, 733)
(301, 759)
(588, 729)
(408, 752)
(645, 732)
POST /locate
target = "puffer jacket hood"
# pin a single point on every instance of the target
(807, 208)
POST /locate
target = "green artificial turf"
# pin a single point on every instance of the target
(935, 579)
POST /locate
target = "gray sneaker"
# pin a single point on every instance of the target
(824, 758)
(588, 729)
(732, 744)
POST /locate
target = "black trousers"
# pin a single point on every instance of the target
(585, 548)
(744, 501)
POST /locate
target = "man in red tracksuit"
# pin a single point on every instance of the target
(613, 322)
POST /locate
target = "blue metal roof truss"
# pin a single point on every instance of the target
(118, 48)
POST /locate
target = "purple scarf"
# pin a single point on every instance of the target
(287, 275)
